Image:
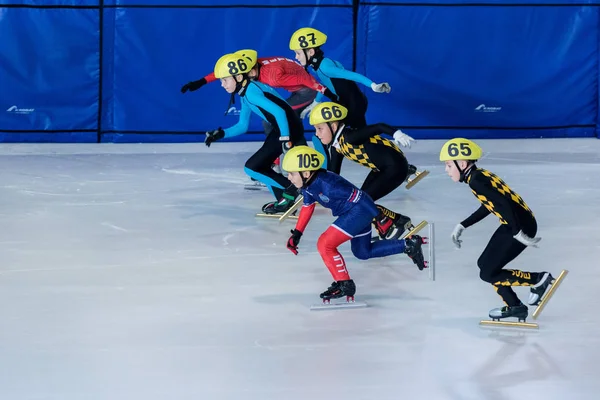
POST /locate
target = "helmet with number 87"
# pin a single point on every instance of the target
(460, 149)
(232, 64)
(302, 158)
(327, 112)
(307, 38)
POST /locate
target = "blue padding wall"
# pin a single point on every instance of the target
(111, 71)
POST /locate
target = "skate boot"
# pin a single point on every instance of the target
(339, 289)
(412, 248)
(537, 291)
(521, 312)
(411, 171)
(284, 203)
(391, 225)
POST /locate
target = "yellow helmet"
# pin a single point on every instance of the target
(327, 112)
(232, 64)
(250, 55)
(302, 158)
(307, 38)
(460, 149)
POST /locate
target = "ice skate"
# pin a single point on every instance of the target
(286, 201)
(339, 289)
(520, 312)
(411, 171)
(391, 225)
(410, 182)
(335, 291)
(537, 291)
(413, 249)
(553, 284)
(255, 185)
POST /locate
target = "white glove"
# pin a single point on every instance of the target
(308, 109)
(526, 240)
(402, 138)
(381, 87)
(458, 230)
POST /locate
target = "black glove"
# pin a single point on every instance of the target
(213, 136)
(192, 86)
(292, 243)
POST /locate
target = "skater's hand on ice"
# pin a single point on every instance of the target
(526, 240)
(213, 136)
(458, 230)
(381, 87)
(292, 243)
(402, 139)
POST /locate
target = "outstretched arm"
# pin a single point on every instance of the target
(243, 123)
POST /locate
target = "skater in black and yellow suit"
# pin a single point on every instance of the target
(366, 146)
(517, 229)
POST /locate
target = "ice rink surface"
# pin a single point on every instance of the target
(139, 271)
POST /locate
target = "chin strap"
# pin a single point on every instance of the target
(464, 173)
(238, 88)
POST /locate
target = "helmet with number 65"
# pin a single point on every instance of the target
(460, 149)
(233, 64)
(307, 38)
(327, 112)
(302, 158)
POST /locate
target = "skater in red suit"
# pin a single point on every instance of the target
(282, 73)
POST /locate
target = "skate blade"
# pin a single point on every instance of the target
(262, 215)
(415, 230)
(254, 187)
(550, 293)
(341, 304)
(416, 179)
(292, 209)
(509, 324)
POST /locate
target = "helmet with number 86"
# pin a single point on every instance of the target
(250, 55)
(302, 158)
(327, 112)
(233, 64)
(460, 149)
(307, 38)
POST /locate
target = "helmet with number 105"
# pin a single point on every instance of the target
(232, 64)
(460, 149)
(327, 111)
(307, 38)
(302, 158)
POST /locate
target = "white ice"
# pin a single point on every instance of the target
(139, 271)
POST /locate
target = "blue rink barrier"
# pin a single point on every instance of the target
(111, 70)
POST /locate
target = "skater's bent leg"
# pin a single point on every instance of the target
(327, 245)
(363, 248)
(258, 166)
(508, 295)
(501, 250)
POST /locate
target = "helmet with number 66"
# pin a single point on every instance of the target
(302, 158)
(460, 149)
(232, 64)
(327, 112)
